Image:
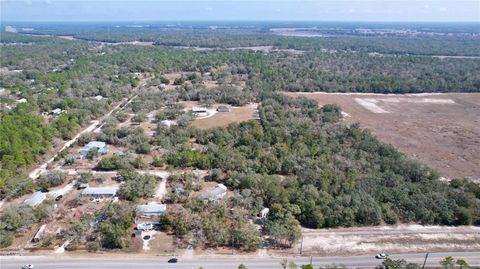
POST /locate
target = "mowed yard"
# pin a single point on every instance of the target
(440, 130)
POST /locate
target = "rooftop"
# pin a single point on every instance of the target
(35, 199)
(107, 191)
(152, 209)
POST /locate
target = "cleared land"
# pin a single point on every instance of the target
(440, 130)
(390, 239)
(236, 114)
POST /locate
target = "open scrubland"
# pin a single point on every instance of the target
(440, 130)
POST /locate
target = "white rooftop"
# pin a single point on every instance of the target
(152, 209)
(101, 191)
(36, 199)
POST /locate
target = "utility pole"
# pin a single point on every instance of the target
(425, 261)
(301, 246)
(311, 261)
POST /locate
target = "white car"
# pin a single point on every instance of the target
(27, 266)
(381, 256)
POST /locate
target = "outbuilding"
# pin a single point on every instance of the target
(223, 109)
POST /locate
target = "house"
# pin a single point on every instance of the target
(100, 146)
(39, 233)
(167, 123)
(199, 110)
(100, 192)
(36, 199)
(215, 194)
(98, 97)
(223, 109)
(57, 111)
(151, 209)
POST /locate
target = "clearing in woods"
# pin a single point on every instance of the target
(439, 130)
(236, 114)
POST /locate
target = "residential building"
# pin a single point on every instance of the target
(100, 192)
(199, 110)
(36, 199)
(151, 209)
(214, 195)
(100, 146)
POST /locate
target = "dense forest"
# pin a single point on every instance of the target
(303, 160)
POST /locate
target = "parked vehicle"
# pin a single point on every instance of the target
(27, 266)
(173, 260)
(58, 198)
(381, 256)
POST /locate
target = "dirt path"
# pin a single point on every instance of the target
(399, 239)
(90, 128)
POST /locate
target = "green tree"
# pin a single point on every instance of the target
(448, 262)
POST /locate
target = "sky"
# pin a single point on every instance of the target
(240, 10)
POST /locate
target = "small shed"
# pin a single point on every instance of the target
(57, 111)
(39, 233)
(223, 109)
(167, 123)
(36, 199)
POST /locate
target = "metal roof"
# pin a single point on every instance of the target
(152, 209)
(101, 191)
(36, 199)
(213, 194)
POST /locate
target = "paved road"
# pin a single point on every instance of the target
(57, 262)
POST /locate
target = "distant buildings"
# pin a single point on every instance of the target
(214, 195)
(100, 146)
(36, 199)
(100, 192)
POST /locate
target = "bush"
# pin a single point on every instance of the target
(52, 179)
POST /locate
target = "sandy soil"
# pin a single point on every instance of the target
(236, 114)
(401, 238)
(439, 130)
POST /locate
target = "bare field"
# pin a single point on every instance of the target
(236, 114)
(439, 130)
(396, 239)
